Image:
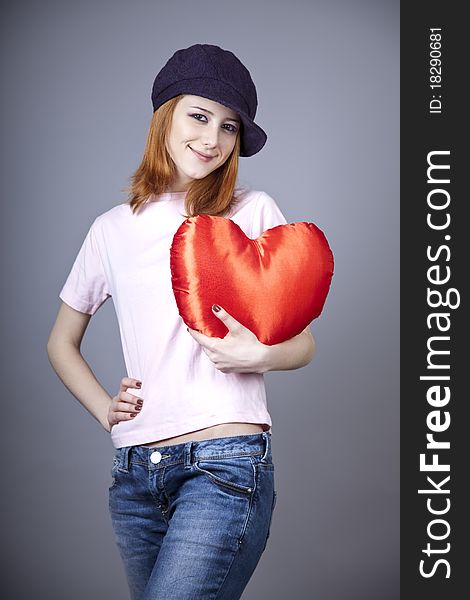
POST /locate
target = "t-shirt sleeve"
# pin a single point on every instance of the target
(267, 214)
(86, 287)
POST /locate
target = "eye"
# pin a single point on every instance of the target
(228, 126)
(233, 129)
(196, 115)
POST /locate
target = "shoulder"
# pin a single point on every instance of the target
(110, 218)
(253, 200)
(104, 224)
(117, 212)
(256, 211)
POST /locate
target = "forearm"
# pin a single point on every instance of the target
(294, 353)
(75, 373)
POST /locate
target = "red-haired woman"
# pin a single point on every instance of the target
(192, 492)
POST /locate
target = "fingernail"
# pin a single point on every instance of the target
(138, 408)
(140, 401)
(187, 328)
(138, 383)
(215, 307)
(133, 415)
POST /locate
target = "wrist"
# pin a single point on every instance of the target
(103, 417)
(264, 362)
(105, 424)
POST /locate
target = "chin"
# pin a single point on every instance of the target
(198, 174)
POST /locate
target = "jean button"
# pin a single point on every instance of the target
(155, 457)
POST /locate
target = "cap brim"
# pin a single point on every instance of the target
(253, 138)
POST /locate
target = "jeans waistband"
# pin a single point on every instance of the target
(258, 444)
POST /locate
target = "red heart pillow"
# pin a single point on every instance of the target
(274, 285)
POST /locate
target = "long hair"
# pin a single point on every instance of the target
(213, 195)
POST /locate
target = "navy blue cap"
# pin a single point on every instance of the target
(209, 71)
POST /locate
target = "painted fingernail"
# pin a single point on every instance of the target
(138, 408)
(138, 383)
(132, 414)
(140, 401)
(215, 307)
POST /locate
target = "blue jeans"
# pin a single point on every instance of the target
(191, 520)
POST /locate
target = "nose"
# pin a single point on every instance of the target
(210, 138)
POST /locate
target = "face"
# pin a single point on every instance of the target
(202, 136)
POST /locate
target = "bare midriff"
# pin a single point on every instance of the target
(208, 433)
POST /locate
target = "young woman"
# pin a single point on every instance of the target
(192, 491)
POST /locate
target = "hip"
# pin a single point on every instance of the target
(214, 431)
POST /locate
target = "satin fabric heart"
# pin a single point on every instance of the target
(274, 285)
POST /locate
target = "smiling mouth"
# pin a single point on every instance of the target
(203, 157)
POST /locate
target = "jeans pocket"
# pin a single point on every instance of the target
(231, 473)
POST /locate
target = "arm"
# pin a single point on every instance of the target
(63, 350)
(291, 354)
(240, 351)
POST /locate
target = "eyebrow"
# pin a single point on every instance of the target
(208, 111)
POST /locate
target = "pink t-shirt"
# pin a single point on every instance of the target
(127, 257)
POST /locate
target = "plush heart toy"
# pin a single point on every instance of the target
(274, 285)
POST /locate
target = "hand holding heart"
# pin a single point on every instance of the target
(237, 352)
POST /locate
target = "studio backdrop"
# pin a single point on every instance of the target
(76, 109)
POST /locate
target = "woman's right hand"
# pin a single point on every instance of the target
(124, 406)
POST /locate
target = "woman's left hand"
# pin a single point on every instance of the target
(239, 351)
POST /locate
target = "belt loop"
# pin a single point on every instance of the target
(267, 445)
(125, 458)
(188, 454)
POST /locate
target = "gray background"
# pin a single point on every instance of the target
(76, 110)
